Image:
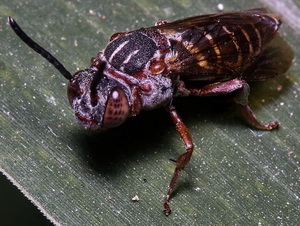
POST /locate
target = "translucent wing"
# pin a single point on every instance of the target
(275, 60)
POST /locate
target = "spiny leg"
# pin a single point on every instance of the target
(183, 159)
(242, 90)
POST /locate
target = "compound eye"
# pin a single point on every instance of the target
(117, 108)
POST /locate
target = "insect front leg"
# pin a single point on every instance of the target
(183, 159)
(241, 99)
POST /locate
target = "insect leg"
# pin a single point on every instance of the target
(183, 159)
(241, 98)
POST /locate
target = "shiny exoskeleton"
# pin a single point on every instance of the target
(146, 68)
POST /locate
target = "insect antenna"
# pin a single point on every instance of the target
(40, 50)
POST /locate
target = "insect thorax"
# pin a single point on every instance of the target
(131, 52)
(132, 55)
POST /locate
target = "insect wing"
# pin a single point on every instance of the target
(217, 46)
(233, 17)
(276, 59)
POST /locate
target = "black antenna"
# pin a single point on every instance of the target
(40, 50)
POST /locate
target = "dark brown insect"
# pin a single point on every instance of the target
(202, 55)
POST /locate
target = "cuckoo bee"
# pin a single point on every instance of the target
(146, 68)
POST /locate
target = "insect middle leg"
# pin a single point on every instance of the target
(242, 90)
(183, 159)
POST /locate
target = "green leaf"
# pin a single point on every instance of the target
(237, 175)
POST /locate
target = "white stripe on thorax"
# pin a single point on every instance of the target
(130, 55)
(117, 50)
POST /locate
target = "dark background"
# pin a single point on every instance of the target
(16, 209)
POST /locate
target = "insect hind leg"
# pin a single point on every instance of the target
(242, 90)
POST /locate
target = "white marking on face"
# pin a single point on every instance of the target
(115, 94)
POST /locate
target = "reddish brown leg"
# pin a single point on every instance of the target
(251, 118)
(241, 98)
(183, 158)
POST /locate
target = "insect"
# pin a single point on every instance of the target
(146, 68)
